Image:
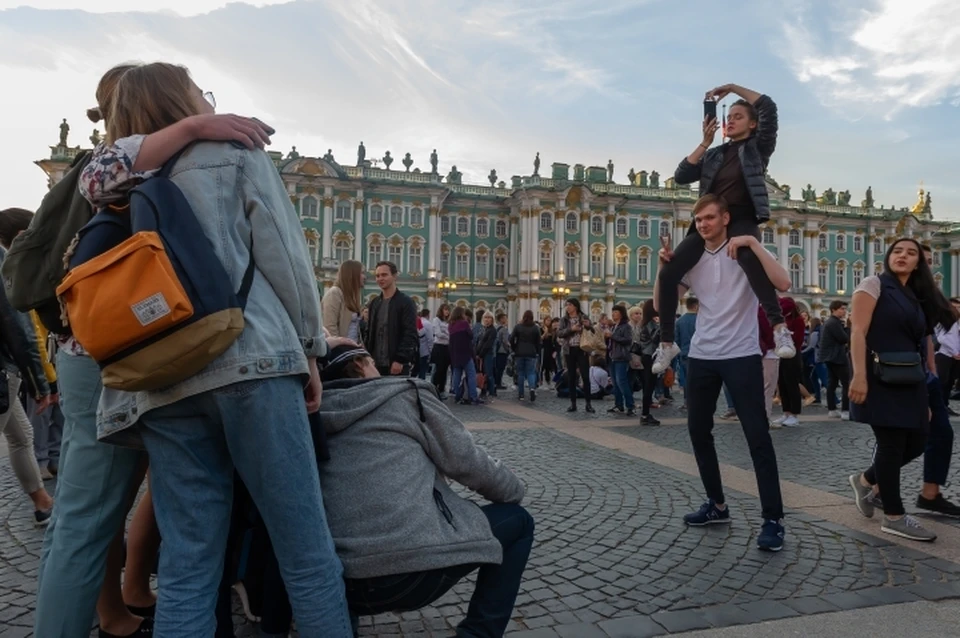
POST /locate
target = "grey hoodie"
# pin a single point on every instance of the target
(390, 510)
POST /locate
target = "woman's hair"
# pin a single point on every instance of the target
(936, 307)
(349, 281)
(814, 323)
(598, 361)
(459, 314)
(573, 301)
(443, 312)
(13, 221)
(623, 313)
(635, 310)
(648, 312)
(105, 91)
(150, 97)
(527, 318)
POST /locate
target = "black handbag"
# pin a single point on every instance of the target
(898, 368)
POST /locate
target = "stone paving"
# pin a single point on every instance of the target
(612, 557)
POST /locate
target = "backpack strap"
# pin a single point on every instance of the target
(247, 281)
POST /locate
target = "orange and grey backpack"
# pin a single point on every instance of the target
(145, 293)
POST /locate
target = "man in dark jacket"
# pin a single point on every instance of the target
(834, 340)
(393, 339)
(733, 171)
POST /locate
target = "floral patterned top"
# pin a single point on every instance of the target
(106, 179)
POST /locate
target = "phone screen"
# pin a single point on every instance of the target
(710, 109)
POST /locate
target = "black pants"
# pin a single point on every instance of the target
(578, 361)
(441, 360)
(895, 448)
(788, 381)
(838, 374)
(688, 253)
(939, 449)
(649, 381)
(948, 369)
(744, 378)
(548, 365)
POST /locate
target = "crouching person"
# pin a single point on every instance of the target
(403, 535)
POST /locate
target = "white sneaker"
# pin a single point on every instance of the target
(834, 414)
(845, 416)
(790, 421)
(663, 356)
(779, 420)
(783, 339)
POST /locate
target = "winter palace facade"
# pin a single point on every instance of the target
(530, 243)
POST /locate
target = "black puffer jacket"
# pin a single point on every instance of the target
(754, 157)
(18, 353)
(525, 340)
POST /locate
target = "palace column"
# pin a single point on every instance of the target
(327, 240)
(559, 227)
(954, 272)
(782, 246)
(871, 255)
(813, 255)
(514, 242)
(433, 241)
(584, 242)
(609, 275)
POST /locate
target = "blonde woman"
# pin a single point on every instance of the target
(342, 304)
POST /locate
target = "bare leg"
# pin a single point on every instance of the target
(143, 542)
(115, 618)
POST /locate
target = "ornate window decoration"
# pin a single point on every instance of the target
(310, 207)
(596, 225)
(643, 228)
(622, 227)
(416, 217)
(483, 227)
(376, 215)
(546, 222)
(793, 239)
(573, 223)
(344, 211)
(500, 229)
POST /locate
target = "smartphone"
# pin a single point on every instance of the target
(709, 109)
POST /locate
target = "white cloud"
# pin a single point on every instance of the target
(179, 7)
(900, 54)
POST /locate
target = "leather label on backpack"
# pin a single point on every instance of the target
(151, 309)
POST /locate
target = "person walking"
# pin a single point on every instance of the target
(526, 344)
(832, 352)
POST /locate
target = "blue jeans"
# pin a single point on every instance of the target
(497, 585)
(470, 371)
(261, 428)
(622, 389)
(92, 499)
(526, 371)
(490, 369)
(820, 380)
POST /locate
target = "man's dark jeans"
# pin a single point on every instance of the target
(497, 585)
(744, 378)
(939, 449)
(501, 367)
(838, 374)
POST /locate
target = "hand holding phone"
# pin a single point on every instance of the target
(710, 108)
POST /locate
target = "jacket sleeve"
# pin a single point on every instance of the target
(838, 333)
(21, 348)
(688, 173)
(622, 334)
(280, 249)
(455, 453)
(109, 175)
(767, 127)
(408, 348)
(564, 330)
(330, 305)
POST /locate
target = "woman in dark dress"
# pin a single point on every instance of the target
(892, 316)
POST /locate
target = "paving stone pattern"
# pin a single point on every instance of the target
(612, 557)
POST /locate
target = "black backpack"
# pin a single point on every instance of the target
(33, 267)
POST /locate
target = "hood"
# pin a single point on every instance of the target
(347, 401)
(459, 326)
(788, 306)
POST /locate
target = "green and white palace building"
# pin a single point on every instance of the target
(529, 243)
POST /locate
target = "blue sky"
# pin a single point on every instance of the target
(868, 91)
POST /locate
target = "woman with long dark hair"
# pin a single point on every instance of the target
(571, 327)
(548, 351)
(440, 355)
(525, 342)
(649, 342)
(892, 315)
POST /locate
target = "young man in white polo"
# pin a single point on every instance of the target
(726, 350)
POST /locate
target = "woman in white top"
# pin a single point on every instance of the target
(341, 304)
(440, 355)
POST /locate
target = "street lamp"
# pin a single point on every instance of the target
(560, 292)
(446, 287)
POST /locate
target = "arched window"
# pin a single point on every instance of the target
(463, 226)
(794, 238)
(376, 214)
(396, 216)
(500, 228)
(310, 208)
(768, 235)
(596, 225)
(622, 226)
(796, 274)
(500, 267)
(664, 229)
(823, 275)
(483, 227)
(620, 266)
(572, 264)
(858, 243)
(444, 262)
(643, 228)
(573, 223)
(445, 224)
(878, 268)
(342, 250)
(841, 271)
(878, 245)
(857, 275)
(822, 244)
(416, 217)
(546, 222)
(841, 243)
(482, 266)
(643, 267)
(344, 211)
(415, 259)
(463, 266)
(374, 254)
(546, 260)
(312, 246)
(596, 265)
(395, 254)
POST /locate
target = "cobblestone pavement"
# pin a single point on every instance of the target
(612, 557)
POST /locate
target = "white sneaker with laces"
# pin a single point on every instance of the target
(779, 420)
(783, 340)
(663, 356)
(790, 421)
(834, 414)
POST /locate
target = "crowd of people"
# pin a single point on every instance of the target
(308, 467)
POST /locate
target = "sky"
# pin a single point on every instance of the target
(868, 90)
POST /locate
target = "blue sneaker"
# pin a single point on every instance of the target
(708, 514)
(771, 536)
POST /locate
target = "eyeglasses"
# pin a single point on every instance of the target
(208, 96)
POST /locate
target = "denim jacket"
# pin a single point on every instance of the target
(239, 199)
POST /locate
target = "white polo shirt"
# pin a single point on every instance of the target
(727, 320)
